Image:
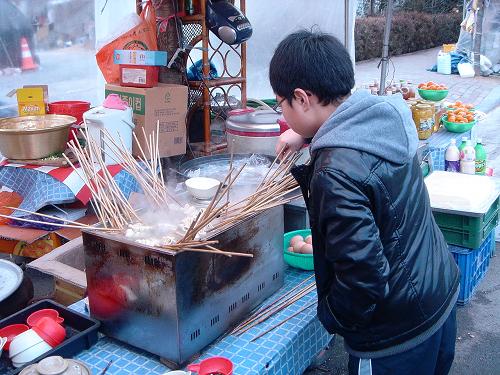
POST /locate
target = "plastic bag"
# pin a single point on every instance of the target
(142, 36)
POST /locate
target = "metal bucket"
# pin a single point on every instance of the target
(34, 137)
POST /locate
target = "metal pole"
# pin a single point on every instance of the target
(385, 49)
(478, 33)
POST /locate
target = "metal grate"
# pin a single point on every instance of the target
(191, 33)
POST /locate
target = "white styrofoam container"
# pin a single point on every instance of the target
(469, 195)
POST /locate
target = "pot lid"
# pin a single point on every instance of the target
(57, 365)
(11, 277)
(263, 121)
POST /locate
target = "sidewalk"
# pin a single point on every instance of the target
(413, 67)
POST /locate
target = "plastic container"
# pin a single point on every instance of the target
(444, 63)
(433, 95)
(452, 157)
(117, 122)
(480, 157)
(81, 333)
(12, 331)
(75, 108)
(473, 264)
(139, 75)
(50, 331)
(463, 144)
(213, 365)
(467, 223)
(301, 261)
(468, 159)
(49, 313)
(469, 239)
(457, 127)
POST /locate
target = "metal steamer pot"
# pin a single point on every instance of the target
(252, 131)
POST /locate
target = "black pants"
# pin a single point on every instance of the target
(432, 357)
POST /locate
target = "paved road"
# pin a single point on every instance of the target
(71, 74)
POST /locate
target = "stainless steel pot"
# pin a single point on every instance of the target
(34, 137)
(254, 132)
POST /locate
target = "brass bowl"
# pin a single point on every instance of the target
(34, 137)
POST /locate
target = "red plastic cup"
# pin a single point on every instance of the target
(75, 108)
(49, 313)
(50, 331)
(214, 365)
(12, 331)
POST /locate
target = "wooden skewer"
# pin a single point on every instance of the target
(83, 226)
(276, 309)
(211, 251)
(282, 322)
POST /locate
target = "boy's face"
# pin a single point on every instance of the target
(305, 114)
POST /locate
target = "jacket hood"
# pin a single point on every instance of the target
(379, 125)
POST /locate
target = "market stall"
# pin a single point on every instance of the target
(213, 261)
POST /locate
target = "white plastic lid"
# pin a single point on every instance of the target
(11, 277)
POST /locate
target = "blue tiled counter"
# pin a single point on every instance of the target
(438, 143)
(287, 350)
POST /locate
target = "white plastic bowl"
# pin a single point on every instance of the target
(202, 187)
(30, 354)
(23, 341)
(26, 347)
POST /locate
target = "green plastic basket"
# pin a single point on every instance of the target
(302, 261)
(433, 95)
(457, 127)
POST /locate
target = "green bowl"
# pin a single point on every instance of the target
(302, 261)
(457, 127)
(433, 95)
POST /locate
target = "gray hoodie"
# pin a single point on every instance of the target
(379, 125)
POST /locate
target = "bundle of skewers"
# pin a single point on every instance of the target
(276, 306)
(116, 214)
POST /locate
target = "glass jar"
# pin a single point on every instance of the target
(423, 117)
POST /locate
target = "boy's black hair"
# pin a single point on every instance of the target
(312, 61)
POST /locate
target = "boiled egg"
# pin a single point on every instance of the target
(298, 246)
(306, 248)
(296, 239)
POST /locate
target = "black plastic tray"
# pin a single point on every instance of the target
(81, 333)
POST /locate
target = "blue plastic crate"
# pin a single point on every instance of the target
(473, 264)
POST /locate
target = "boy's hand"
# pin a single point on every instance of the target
(288, 142)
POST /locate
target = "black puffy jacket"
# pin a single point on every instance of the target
(383, 270)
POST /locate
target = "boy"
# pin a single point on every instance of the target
(386, 281)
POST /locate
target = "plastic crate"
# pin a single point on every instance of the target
(473, 264)
(467, 223)
(81, 333)
(469, 239)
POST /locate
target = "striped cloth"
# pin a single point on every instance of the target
(43, 185)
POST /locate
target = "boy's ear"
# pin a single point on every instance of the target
(302, 98)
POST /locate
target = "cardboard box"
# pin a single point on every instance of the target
(166, 103)
(139, 57)
(35, 243)
(67, 265)
(31, 101)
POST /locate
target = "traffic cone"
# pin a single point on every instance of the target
(27, 59)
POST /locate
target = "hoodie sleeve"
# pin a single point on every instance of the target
(349, 238)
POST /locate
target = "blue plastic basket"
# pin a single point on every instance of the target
(473, 264)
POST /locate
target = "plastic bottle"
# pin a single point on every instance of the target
(468, 159)
(480, 157)
(452, 157)
(444, 63)
(462, 145)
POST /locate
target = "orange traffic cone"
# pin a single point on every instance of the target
(27, 62)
